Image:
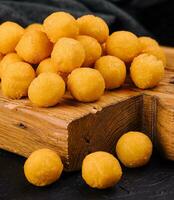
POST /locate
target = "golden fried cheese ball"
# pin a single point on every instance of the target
(60, 24)
(35, 26)
(34, 46)
(7, 60)
(46, 90)
(86, 84)
(113, 71)
(43, 167)
(101, 170)
(146, 71)
(10, 34)
(134, 149)
(16, 79)
(156, 51)
(68, 54)
(92, 48)
(147, 41)
(93, 26)
(46, 66)
(124, 45)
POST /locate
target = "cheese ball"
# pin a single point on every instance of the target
(68, 54)
(10, 34)
(147, 41)
(34, 46)
(46, 90)
(35, 26)
(101, 170)
(46, 66)
(93, 26)
(60, 24)
(7, 60)
(43, 167)
(146, 71)
(92, 49)
(134, 149)
(113, 71)
(16, 79)
(124, 45)
(156, 51)
(86, 84)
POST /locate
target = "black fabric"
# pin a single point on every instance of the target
(152, 182)
(143, 17)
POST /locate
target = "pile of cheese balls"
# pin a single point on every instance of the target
(99, 169)
(42, 59)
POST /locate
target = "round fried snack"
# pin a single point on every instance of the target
(147, 41)
(35, 26)
(46, 66)
(146, 71)
(68, 54)
(86, 84)
(16, 79)
(134, 149)
(60, 24)
(92, 49)
(10, 34)
(46, 90)
(7, 60)
(113, 71)
(124, 45)
(93, 26)
(43, 167)
(156, 51)
(101, 170)
(34, 46)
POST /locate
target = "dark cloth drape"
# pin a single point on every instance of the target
(143, 17)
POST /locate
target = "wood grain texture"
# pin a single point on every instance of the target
(74, 129)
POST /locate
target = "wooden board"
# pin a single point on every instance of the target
(74, 129)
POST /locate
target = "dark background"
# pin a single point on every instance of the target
(152, 182)
(143, 17)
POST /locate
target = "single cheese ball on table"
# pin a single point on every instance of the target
(7, 60)
(146, 71)
(68, 54)
(43, 167)
(93, 26)
(16, 79)
(46, 66)
(60, 24)
(34, 46)
(101, 170)
(147, 41)
(113, 71)
(86, 84)
(134, 149)
(35, 26)
(92, 49)
(46, 90)
(10, 34)
(124, 45)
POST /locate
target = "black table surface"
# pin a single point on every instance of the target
(152, 182)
